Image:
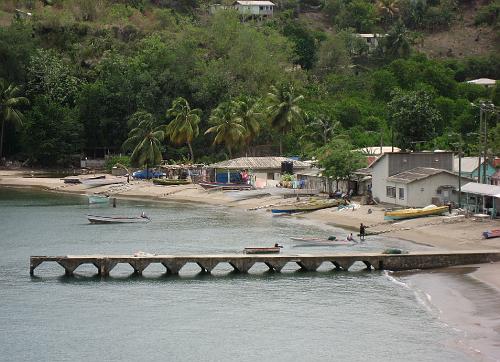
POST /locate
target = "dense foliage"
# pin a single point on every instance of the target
(172, 81)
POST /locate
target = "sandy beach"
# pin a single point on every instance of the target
(442, 232)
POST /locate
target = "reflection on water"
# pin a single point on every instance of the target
(285, 316)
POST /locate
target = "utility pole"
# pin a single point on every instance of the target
(480, 139)
(460, 176)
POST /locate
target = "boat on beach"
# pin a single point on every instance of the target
(98, 219)
(490, 234)
(80, 179)
(307, 206)
(225, 186)
(262, 250)
(414, 213)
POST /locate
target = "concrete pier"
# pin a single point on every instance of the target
(244, 262)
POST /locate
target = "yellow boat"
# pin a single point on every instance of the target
(413, 213)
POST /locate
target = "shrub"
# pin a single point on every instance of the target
(113, 160)
(488, 14)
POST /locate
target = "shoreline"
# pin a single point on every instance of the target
(441, 232)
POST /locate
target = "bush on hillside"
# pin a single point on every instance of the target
(488, 14)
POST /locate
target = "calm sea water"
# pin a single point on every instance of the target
(289, 316)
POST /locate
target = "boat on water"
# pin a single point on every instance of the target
(490, 234)
(97, 219)
(414, 213)
(307, 206)
(225, 186)
(262, 250)
(98, 199)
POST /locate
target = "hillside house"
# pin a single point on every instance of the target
(372, 40)
(257, 9)
(485, 82)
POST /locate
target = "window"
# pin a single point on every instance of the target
(401, 193)
(390, 192)
(261, 7)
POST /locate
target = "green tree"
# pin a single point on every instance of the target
(413, 116)
(283, 109)
(338, 159)
(10, 107)
(145, 143)
(184, 125)
(226, 126)
(52, 133)
(388, 10)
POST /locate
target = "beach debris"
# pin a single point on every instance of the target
(393, 251)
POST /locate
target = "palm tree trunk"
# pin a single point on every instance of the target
(281, 146)
(1, 140)
(230, 152)
(191, 151)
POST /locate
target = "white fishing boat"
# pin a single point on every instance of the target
(103, 182)
(98, 199)
(98, 219)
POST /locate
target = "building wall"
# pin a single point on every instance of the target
(399, 162)
(421, 193)
(379, 175)
(255, 10)
(490, 171)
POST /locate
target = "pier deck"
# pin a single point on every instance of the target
(242, 263)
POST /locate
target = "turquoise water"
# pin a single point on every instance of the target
(264, 316)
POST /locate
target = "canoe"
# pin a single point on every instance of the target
(307, 206)
(97, 199)
(263, 250)
(414, 213)
(490, 234)
(225, 186)
(95, 219)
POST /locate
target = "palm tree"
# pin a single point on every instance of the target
(397, 43)
(9, 107)
(184, 126)
(388, 9)
(248, 115)
(227, 127)
(283, 109)
(145, 142)
(324, 127)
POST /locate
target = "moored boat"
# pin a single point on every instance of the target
(97, 219)
(414, 213)
(98, 199)
(262, 250)
(490, 234)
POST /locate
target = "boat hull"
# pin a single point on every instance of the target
(225, 186)
(290, 209)
(491, 234)
(94, 219)
(272, 250)
(414, 213)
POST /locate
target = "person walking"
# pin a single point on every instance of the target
(362, 230)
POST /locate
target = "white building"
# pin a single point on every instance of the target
(422, 186)
(414, 178)
(255, 8)
(372, 40)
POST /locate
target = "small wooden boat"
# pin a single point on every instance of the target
(414, 213)
(96, 182)
(225, 186)
(98, 199)
(307, 206)
(262, 250)
(490, 234)
(95, 219)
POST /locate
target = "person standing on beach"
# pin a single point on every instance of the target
(362, 232)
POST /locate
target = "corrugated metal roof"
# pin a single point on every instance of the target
(375, 150)
(481, 189)
(256, 163)
(415, 174)
(256, 3)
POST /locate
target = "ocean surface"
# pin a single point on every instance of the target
(262, 316)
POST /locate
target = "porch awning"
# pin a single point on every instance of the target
(482, 189)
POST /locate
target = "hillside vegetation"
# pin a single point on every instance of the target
(213, 86)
